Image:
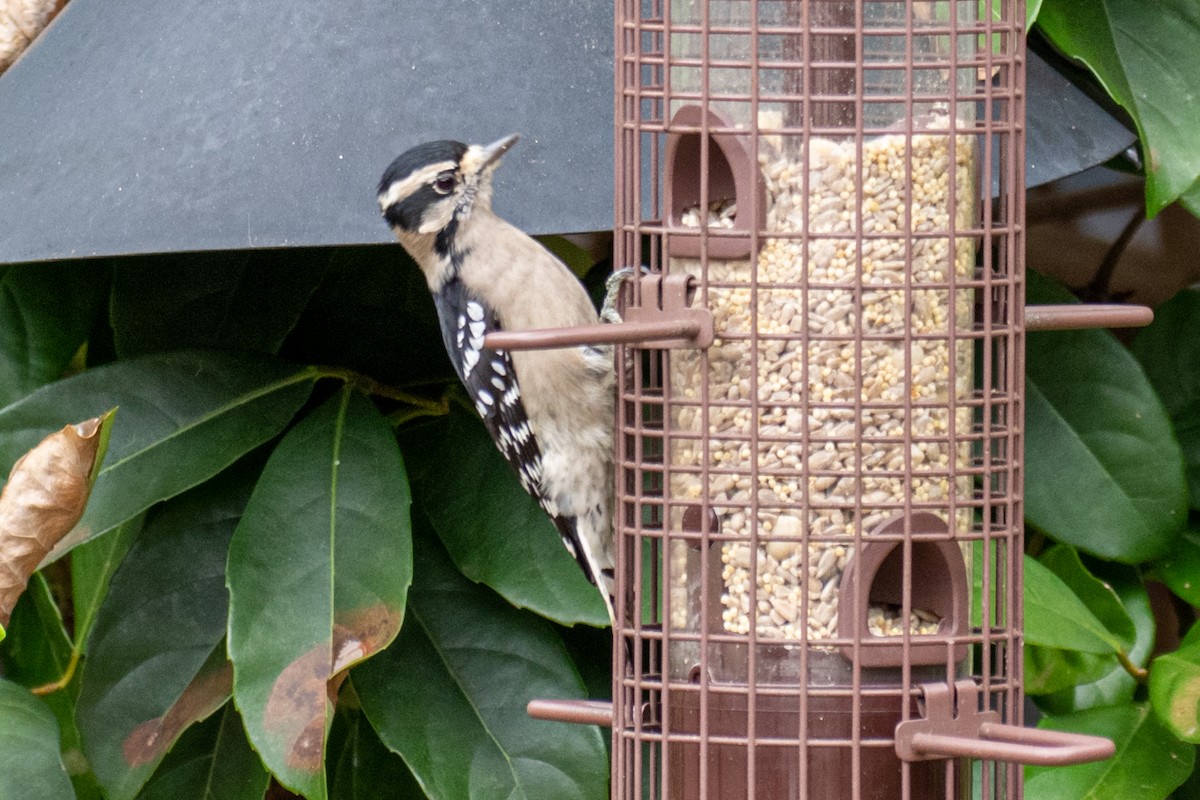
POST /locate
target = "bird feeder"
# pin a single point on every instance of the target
(819, 447)
(821, 512)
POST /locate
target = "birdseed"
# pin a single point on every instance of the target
(826, 457)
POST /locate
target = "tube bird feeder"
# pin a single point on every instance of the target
(820, 513)
(820, 403)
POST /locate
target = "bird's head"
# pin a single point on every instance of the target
(434, 187)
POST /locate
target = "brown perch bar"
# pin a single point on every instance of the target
(1072, 316)
(623, 333)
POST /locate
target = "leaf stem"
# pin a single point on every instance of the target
(61, 683)
(1139, 674)
(371, 386)
(1099, 289)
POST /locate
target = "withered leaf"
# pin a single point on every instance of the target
(360, 633)
(304, 693)
(298, 707)
(46, 494)
(209, 690)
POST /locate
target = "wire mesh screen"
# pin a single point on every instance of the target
(821, 512)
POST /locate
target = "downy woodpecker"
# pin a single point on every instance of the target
(550, 412)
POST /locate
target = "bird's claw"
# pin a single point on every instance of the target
(612, 291)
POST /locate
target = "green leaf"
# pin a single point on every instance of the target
(1180, 569)
(38, 652)
(577, 259)
(1056, 617)
(1169, 351)
(318, 572)
(1149, 762)
(1175, 688)
(30, 766)
(92, 566)
(496, 533)
(1116, 686)
(37, 649)
(1191, 199)
(997, 568)
(45, 313)
(364, 769)
(449, 696)
(1147, 57)
(155, 661)
(1057, 672)
(1099, 597)
(1050, 671)
(244, 300)
(1032, 7)
(1103, 469)
(211, 761)
(183, 418)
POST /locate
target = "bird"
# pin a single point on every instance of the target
(549, 412)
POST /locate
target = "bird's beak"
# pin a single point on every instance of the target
(480, 157)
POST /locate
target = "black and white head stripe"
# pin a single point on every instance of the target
(406, 189)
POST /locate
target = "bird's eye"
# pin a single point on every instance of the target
(444, 184)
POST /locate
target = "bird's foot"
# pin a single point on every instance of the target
(612, 291)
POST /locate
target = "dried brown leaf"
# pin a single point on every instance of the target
(306, 690)
(298, 706)
(46, 494)
(207, 692)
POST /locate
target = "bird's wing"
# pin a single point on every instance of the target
(491, 383)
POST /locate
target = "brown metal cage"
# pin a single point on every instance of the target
(819, 515)
(820, 396)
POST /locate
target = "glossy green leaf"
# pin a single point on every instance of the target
(45, 313)
(156, 660)
(38, 652)
(1169, 352)
(1032, 7)
(1103, 470)
(318, 572)
(1053, 668)
(30, 766)
(994, 564)
(449, 696)
(1148, 765)
(1116, 686)
(1180, 568)
(1191, 201)
(1099, 597)
(92, 566)
(1052, 671)
(183, 418)
(211, 761)
(1147, 58)
(1175, 688)
(577, 259)
(495, 532)
(37, 648)
(244, 300)
(1056, 617)
(362, 768)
